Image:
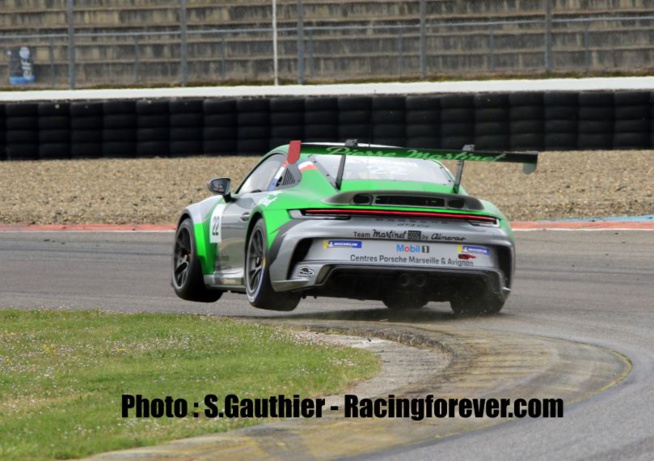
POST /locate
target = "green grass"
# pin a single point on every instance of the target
(62, 375)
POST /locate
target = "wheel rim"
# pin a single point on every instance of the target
(182, 262)
(255, 262)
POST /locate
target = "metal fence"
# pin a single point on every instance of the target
(308, 53)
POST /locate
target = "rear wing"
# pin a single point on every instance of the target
(351, 148)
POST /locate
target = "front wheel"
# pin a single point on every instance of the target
(187, 277)
(257, 275)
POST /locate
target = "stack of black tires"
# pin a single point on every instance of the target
(252, 126)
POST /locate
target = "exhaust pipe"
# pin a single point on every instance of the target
(411, 281)
(404, 280)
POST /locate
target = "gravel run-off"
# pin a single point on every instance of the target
(154, 191)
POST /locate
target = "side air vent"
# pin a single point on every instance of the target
(287, 179)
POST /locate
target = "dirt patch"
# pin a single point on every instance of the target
(117, 191)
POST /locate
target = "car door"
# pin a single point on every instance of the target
(236, 216)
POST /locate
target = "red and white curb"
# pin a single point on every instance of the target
(87, 227)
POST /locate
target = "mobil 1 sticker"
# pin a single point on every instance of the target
(401, 253)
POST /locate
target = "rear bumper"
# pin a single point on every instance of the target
(295, 266)
(370, 282)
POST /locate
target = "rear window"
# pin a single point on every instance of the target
(386, 169)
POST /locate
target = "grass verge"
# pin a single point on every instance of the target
(62, 375)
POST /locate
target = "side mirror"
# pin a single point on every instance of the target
(220, 186)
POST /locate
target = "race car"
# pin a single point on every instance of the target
(353, 221)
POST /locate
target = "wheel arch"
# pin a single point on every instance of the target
(253, 220)
(185, 215)
(259, 290)
(187, 277)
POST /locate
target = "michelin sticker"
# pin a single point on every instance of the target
(342, 244)
(474, 250)
(216, 221)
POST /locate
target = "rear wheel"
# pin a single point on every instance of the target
(257, 276)
(187, 280)
(466, 305)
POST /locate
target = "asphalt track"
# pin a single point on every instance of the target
(579, 323)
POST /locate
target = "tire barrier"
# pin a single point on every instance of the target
(186, 127)
(631, 129)
(596, 118)
(3, 150)
(220, 123)
(86, 124)
(320, 119)
(423, 122)
(153, 129)
(527, 121)
(355, 118)
(457, 121)
(22, 131)
(253, 126)
(286, 120)
(561, 115)
(119, 129)
(54, 130)
(493, 121)
(389, 121)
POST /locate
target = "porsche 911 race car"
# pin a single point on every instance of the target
(355, 221)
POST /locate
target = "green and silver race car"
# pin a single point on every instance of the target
(346, 220)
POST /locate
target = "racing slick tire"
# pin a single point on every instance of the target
(468, 304)
(187, 278)
(258, 289)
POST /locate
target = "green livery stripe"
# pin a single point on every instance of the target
(207, 260)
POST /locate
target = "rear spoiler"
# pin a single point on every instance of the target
(351, 148)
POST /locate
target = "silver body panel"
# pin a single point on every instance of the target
(378, 245)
